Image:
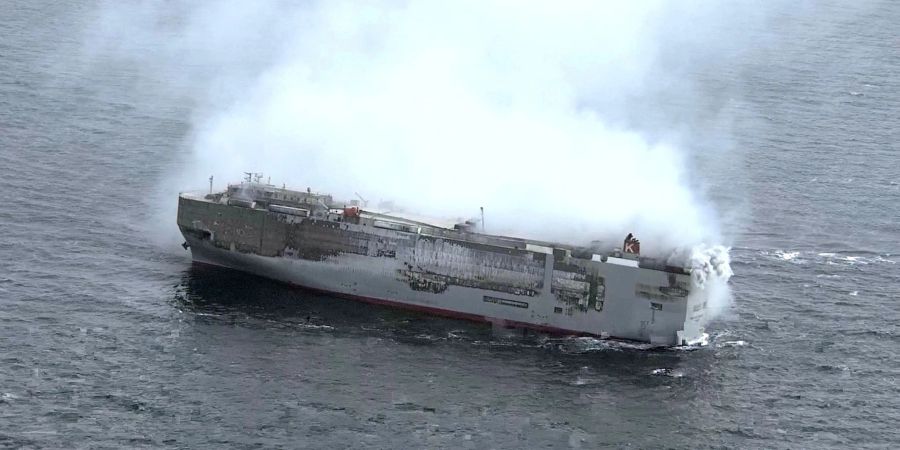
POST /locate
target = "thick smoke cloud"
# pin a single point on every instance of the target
(568, 122)
(530, 110)
(444, 108)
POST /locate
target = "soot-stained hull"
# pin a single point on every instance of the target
(301, 239)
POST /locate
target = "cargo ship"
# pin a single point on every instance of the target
(450, 269)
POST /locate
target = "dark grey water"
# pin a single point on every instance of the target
(111, 339)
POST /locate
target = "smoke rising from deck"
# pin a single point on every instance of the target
(568, 122)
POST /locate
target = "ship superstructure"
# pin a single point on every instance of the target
(344, 248)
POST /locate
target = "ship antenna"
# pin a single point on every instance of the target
(365, 202)
(210, 184)
(249, 176)
(482, 219)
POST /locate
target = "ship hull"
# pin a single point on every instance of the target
(473, 277)
(203, 253)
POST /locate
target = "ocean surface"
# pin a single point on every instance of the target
(110, 337)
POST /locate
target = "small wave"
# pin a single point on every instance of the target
(727, 332)
(579, 382)
(578, 345)
(738, 343)
(508, 344)
(429, 337)
(853, 293)
(856, 258)
(787, 256)
(793, 257)
(833, 368)
(880, 334)
(850, 260)
(309, 326)
(667, 372)
(839, 303)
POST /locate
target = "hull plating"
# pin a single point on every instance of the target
(524, 285)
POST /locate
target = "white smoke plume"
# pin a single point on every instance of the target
(710, 272)
(552, 116)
